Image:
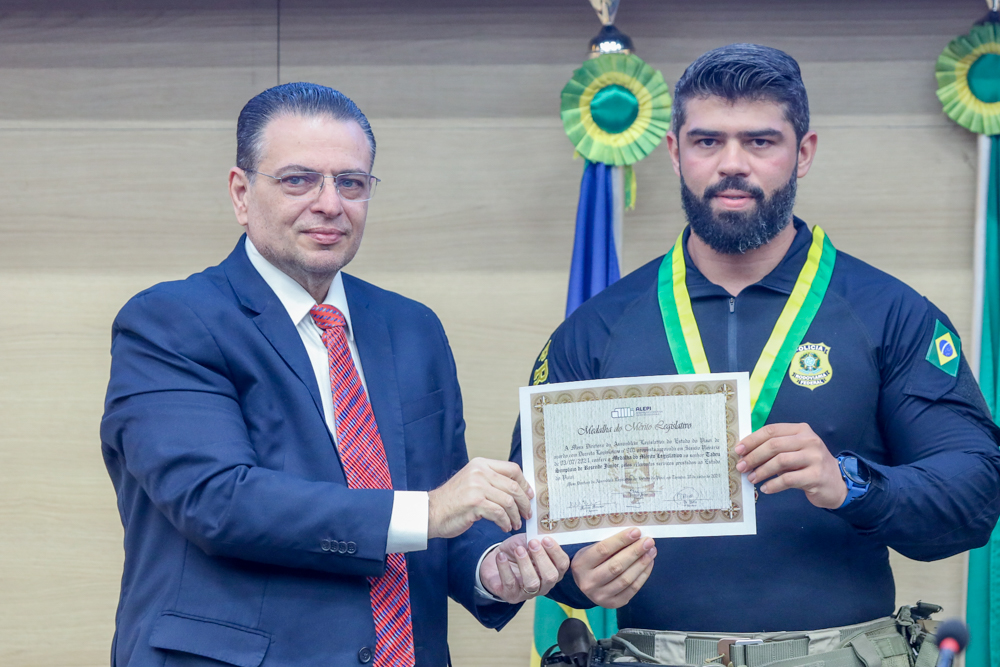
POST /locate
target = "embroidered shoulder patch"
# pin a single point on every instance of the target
(945, 350)
(540, 374)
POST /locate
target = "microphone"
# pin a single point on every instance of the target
(576, 642)
(952, 637)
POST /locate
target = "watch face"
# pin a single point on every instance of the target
(863, 473)
(849, 468)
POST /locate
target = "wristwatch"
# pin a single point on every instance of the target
(856, 477)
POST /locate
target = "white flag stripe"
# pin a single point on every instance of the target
(979, 252)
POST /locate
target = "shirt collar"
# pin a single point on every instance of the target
(296, 300)
(781, 279)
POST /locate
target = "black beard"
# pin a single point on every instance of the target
(736, 232)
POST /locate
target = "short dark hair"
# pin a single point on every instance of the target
(303, 99)
(745, 72)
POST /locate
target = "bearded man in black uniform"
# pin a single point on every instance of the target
(878, 435)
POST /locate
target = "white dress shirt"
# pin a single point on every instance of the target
(408, 522)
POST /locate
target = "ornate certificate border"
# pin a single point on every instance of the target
(738, 519)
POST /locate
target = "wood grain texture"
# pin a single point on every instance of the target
(61, 549)
(457, 195)
(153, 60)
(117, 127)
(522, 31)
(492, 90)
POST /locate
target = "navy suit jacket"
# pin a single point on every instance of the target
(243, 543)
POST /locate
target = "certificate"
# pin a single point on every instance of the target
(653, 452)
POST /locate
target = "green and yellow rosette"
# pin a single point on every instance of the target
(616, 109)
(968, 76)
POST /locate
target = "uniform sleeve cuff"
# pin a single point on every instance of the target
(408, 522)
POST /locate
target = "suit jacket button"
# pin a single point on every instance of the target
(351, 547)
(342, 547)
(325, 545)
(365, 655)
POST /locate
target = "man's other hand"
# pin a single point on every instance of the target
(792, 456)
(518, 570)
(483, 489)
(612, 571)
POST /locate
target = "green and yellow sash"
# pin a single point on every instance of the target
(800, 309)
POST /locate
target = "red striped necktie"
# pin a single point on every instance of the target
(365, 466)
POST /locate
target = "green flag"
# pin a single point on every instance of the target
(983, 607)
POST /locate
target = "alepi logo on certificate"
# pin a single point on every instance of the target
(641, 411)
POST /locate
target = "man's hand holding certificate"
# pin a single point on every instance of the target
(657, 453)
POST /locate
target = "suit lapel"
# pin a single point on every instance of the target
(271, 318)
(371, 335)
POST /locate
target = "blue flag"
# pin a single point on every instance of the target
(598, 223)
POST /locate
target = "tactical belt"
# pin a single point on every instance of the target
(893, 641)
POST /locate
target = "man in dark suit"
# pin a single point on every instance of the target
(287, 442)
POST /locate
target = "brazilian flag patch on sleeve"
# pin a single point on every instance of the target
(945, 350)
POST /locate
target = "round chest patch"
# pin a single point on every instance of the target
(810, 367)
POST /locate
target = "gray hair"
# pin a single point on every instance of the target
(304, 99)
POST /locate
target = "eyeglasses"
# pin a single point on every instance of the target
(309, 184)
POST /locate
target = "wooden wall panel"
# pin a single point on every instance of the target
(436, 200)
(526, 90)
(117, 127)
(61, 550)
(121, 199)
(152, 61)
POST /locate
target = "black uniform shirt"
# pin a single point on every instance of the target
(924, 433)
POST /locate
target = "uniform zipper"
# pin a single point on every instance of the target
(732, 335)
